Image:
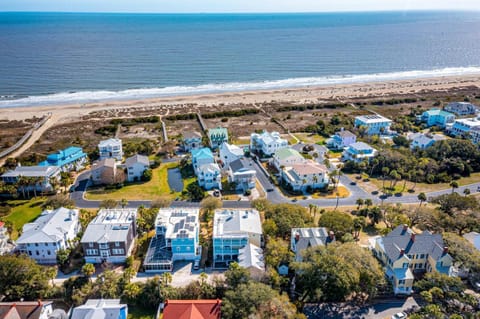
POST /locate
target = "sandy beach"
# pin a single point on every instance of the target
(165, 105)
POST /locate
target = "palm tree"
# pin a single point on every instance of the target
(337, 194)
(466, 192)
(405, 177)
(54, 182)
(373, 164)
(65, 180)
(123, 202)
(22, 183)
(385, 172)
(454, 185)
(422, 198)
(368, 202)
(359, 203)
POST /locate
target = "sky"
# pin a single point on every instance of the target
(205, 6)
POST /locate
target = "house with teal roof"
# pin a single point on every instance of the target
(217, 136)
(70, 159)
(437, 117)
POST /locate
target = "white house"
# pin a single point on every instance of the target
(464, 126)
(242, 173)
(286, 157)
(101, 309)
(191, 140)
(210, 176)
(51, 231)
(358, 152)
(233, 229)
(42, 174)
(136, 165)
(461, 108)
(267, 143)
(423, 141)
(306, 175)
(111, 148)
(374, 124)
(229, 153)
(341, 139)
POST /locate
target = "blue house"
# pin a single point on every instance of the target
(201, 157)
(358, 152)
(437, 117)
(374, 124)
(70, 159)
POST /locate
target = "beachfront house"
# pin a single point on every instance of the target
(70, 159)
(286, 157)
(110, 236)
(105, 172)
(405, 253)
(101, 309)
(373, 124)
(303, 238)
(462, 127)
(217, 136)
(341, 139)
(305, 177)
(191, 140)
(242, 173)
(111, 148)
(27, 310)
(176, 238)
(461, 108)
(437, 117)
(207, 171)
(136, 165)
(229, 153)
(233, 229)
(191, 309)
(30, 178)
(358, 152)
(51, 231)
(424, 140)
(267, 143)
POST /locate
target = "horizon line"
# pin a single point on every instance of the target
(248, 12)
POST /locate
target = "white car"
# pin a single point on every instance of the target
(196, 265)
(399, 315)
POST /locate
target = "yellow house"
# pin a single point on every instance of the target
(405, 254)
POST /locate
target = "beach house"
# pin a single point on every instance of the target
(176, 238)
(27, 310)
(101, 309)
(229, 153)
(305, 177)
(217, 136)
(110, 236)
(303, 238)
(70, 159)
(136, 165)
(358, 152)
(267, 143)
(424, 140)
(437, 117)
(208, 172)
(461, 108)
(374, 124)
(405, 253)
(233, 229)
(191, 309)
(286, 157)
(341, 139)
(191, 140)
(105, 172)
(51, 231)
(38, 178)
(111, 148)
(462, 127)
(242, 173)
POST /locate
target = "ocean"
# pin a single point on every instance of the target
(55, 58)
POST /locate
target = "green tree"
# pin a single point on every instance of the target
(123, 202)
(466, 191)
(260, 204)
(209, 205)
(277, 252)
(57, 201)
(21, 277)
(288, 216)
(63, 256)
(147, 175)
(108, 203)
(161, 202)
(422, 198)
(359, 223)
(88, 270)
(195, 192)
(454, 186)
(236, 275)
(146, 219)
(338, 222)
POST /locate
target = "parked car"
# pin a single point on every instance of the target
(196, 265)
(399, 315)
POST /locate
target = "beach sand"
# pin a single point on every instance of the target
(165, 105)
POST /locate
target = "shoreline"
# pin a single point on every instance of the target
(308, 94)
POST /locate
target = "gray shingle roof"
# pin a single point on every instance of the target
(303, 238)
(241, 164)
(110, 225)
(142, 159)
(32, 171)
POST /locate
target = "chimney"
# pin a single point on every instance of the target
(402, 252)
(405, 227)
(412, 237)
(218, 301)
(331, 235)
(39, 302)
(297, 237)
(445, 250)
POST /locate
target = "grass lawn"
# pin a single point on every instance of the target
(241, 141)
(310, 138)
(341, 190)
(141, 313)
(157, 186)
(23, 212)
(334, 154)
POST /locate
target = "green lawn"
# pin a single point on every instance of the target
(310, 138)
(23, 212)
(157, 186)
(141, 313)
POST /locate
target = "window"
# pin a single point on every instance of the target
(36, 244)
(103, 246)
(118, 251)
(90, 245)
(117, 244)
(401, 282)
(405, 265)
(46, 244)
(30, 252)
(37, 253)
(48, 252)
(91, 252)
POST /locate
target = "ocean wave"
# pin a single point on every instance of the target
(172, 91)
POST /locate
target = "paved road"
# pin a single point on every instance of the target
(274, 196)
(383, 309)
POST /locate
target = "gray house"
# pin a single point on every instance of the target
(303, 238)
